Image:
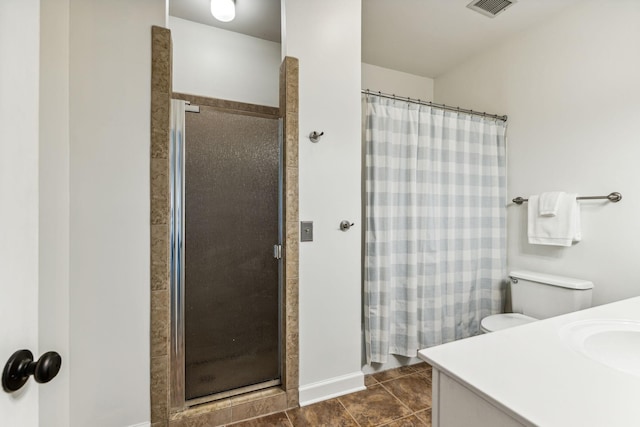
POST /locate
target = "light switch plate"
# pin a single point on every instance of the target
(306, 231)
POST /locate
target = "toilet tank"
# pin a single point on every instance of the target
(544, 295)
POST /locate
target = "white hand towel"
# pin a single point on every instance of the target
(549, 202)
(563, 229)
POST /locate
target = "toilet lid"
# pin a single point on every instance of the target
(497, 322)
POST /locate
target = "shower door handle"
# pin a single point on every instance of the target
(277, 251)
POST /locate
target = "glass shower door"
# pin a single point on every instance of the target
(231, 283)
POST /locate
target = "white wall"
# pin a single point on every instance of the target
(216, 63)
(110, 78)
(571, 90)
(325, 37)
(396, 82)
(19, 194)
(54, 206)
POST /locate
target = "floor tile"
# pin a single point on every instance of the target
(411, 421)
(428, 373)
(413, 390)
(374, 406)
(425, 416)
(369, 380)
(393, 373)
(274, 420)
(329, 413)
(399, 397)
(421, 366)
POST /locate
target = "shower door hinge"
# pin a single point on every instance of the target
(277, 251)
(188, 108)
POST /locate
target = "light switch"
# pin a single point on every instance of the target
(306, 231)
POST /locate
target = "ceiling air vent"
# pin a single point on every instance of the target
(490, 8)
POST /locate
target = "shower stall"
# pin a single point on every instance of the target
(226, 264)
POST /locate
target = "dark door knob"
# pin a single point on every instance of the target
(21, 365)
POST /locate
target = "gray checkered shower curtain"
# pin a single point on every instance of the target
(435, 245)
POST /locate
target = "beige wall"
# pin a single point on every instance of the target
(109, 98)
(325, 37)
(54, 206)
(216, 63)
(395, 82)
(571, 90)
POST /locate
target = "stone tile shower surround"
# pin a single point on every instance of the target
(249, 405)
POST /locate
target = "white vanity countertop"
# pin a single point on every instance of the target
(532, 374)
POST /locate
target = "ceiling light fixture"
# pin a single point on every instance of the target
(223, 10)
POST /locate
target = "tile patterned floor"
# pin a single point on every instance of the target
(396, 398)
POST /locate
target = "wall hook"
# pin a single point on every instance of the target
(315, 136)
(345, 225)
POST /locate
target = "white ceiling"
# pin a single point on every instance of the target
(421, 37)
(429, 37)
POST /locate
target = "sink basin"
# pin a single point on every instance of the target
(612, 342)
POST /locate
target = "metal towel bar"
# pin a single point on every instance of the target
(612, 197)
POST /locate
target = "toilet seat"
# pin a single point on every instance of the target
(498, 322)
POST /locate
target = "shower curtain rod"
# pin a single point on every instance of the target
(434, 105)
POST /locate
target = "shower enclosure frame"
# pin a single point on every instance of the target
(177, 158)
(252, 404)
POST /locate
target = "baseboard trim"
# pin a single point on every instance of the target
(393, 361)
(333, 387)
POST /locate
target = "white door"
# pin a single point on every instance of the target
(19, 76)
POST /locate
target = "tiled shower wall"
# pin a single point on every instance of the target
(251, 404)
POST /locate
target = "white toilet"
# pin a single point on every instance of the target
(536, 296)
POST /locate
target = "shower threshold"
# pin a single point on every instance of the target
(231, 393)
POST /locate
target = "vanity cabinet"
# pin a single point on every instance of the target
(456, 405)
(532, 375)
